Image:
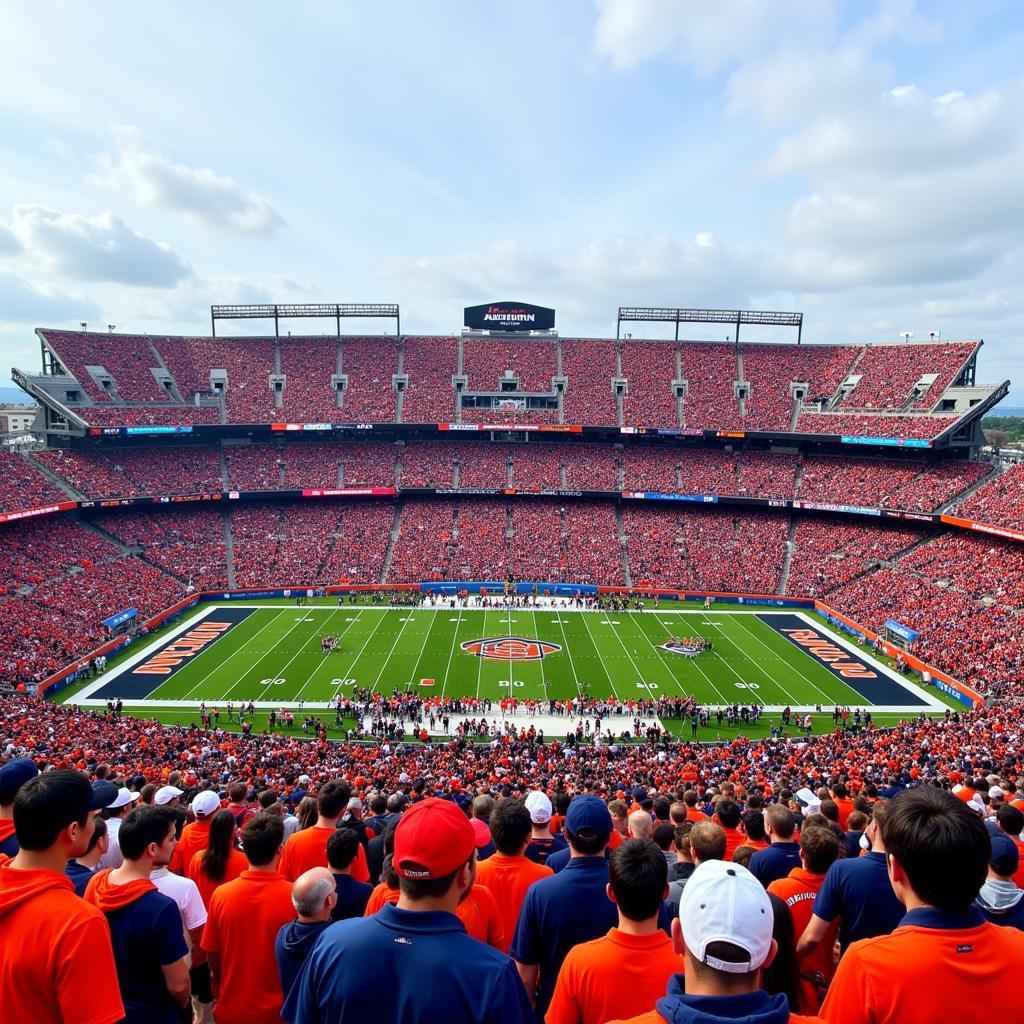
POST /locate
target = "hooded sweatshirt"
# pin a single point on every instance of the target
(293, 943)
(1002, 903)
(8, 840)
(147, 935)
(53, 947)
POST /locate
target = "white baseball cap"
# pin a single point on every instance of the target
(165, 794)
(539, 807)
(124, 796)
(724, 902)
(206, 803)
(976, 804)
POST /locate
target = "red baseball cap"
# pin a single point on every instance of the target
(433, 838)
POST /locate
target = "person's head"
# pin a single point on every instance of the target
(332, 799)
(724, 930)
(1010, 820)
(510, 825)
(661, 808)
(306, 812)
(743, 855)
(378, 804)
(98, 845)
(236, 792)
(221, 842)
(56, 810)
(779, 823)
(663, 835)
(342, 847)
(753, 825)
(857, 821)
(1004, 860)
(830, 809)
(681, 839)
(435, 854)
(926, 831)
(637, 879)
(640, 825)
(13, 775)
(839, 791)
(314, 895)
(148, 835)
(782, 975)
(707, 842)
(677, 812)
(690, 797)
(873, 829)
(148, 792)
(620, 815)
(483, 806)
(819, 849)
(539, 806)
(728, 813)
(205, 804)
(588, 825)
(262, 839)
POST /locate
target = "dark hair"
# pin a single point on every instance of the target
(342, 847)
(663, 835)
(46, 805)
(588, 845)
(820, 847)
(147, 793)
(99, 831)
(1010, 819)
(830, 809)
(743, 855)
(707, 841)
(839, 790)
(267, 799)
(728, 813)
(927, 830)
(237, 791)
(690, 798)
(379, 804)
(662, 808)
(144, 825)
(510, 825)
(180, 816)
(638, 874)
(753, 825)
(682, 837)
(782, 821)
(432, 888)
(222, 834)
(388, 875)
(262, 838)
(781, 976)
(333, 798)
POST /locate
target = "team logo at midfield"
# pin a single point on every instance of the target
(681, 647)
(510, 648)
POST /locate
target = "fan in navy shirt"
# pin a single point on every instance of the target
(1000, 900)
(313, 897)
(567, 908)
(413, 962)
(81, 869)
(352, 895)
(778, 859)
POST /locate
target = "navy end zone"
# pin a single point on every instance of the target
(875, 687)
(174, 653)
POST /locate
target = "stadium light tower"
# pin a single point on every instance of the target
(83, 325)
(906, 335)
(935, 335)
(110, 328)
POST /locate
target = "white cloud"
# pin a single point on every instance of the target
(153, 181)
(101, 248)
(25, 303)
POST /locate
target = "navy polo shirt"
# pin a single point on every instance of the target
(557, 861)
(775, 862)
(859, 893)
(418, 967)
(558, 913)
(539, 850)
(79, 875)
(352, 897)
(147, 936)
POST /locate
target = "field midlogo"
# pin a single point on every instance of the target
(510, 648)
(688, 648)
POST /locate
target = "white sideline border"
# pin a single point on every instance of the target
(85, 699)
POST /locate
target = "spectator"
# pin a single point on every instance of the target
(780, 977)
(196, 835)
(724, 934)
(115, 813)
(508, 874)
(307, 848)
(819, 850)
(482, 809)
(754, 828)
(1000, 900)
(351, 896)
(167, 796)
(783, 854)
(245, 917)
(81, 869)
(568, 908)
(145, 925)
(683, 867)
(627, 969)
(542, 843)
(221, 861)
(56, 960)
(13, 775)
(951, 962)
(479, 911)
(858, 892)
(413, 961)
(314, 898)
(664, 838)
(1011, 821)
(727, 814)
(706, 841)
(855, 825)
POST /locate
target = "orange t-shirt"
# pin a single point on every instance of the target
(382, 893)
(845, 806)
(798, 890)
(734, 839)
(919, 975)
(695, 814)
(508, 878)
(308, 849)
(616, 839)
(206, 885)
(245, 917)
(613, 976)
(754, 844)
(194, 837)
(481, 917)
(56, 961)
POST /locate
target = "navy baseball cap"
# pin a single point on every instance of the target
(14, 775)
(103, 795)
(1005, 857)
(588, 813)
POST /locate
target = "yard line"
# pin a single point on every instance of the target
(671, 669)
(794, 664)
(451, 654)
(695, 665)
(640, 678)
(601, 657)
(480, 659)
(373, 632)
(405, 624)
(327, 654)
(565, 647)
(430, 629)
(543, 677)
(218, 665)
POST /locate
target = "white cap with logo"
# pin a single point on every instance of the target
(539, 807)
(724, 902)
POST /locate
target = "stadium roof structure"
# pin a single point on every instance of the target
(332, 310)
(736, 317)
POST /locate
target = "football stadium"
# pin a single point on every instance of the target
(622, 624)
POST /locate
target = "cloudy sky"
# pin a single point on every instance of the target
(861, 162)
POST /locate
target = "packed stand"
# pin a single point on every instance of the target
(999, 501)
(483, 465)
(589, 467)
(425, 548)
(255, 467)
(484, 362)
(430, 363)
(766, 475)
(889, 372)
(427, 464)
(536, 467)
(148, 416)
(370, 364)
(23, 486)
(917, 427)
(710, 402)
(649, 367)
(127, 358)
(588, 366)
(308, 365)
(362, 532)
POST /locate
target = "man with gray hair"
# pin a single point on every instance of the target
(313, 896)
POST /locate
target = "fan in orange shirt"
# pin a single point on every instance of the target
(727, 814)
(196, 835)
(819, 848)
(508, 874)
(629, 968)
(221, 861)
(308, 848)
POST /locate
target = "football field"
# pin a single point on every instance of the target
(274, 656)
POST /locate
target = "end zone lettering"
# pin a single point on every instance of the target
(824, 650)
(188, 645)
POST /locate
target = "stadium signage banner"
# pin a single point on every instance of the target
(855, 509)
(118, 619)
(893, 442)
(342, 492)
(908, 634)
(42, 510)
(509, 316)
(701, 499)
(995, 531)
